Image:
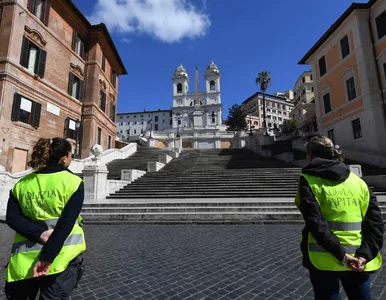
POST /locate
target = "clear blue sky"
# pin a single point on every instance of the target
(242, 37)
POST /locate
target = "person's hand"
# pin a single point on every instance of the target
(41, 268)
(45, 235)
(350, 262)
(361, 264)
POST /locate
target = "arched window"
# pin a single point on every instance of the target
(179, 88)
(212, 85)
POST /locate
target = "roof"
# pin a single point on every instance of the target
(334, 27)
(144, 112)
(266, 95)
(102, 27)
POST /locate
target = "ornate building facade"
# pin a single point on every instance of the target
(58, 78)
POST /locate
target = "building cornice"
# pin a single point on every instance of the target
(334, 27)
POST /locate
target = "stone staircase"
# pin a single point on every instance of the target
(207, 186)
(137, 161)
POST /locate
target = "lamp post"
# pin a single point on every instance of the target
(77, 126)
(151, 126)
(250, 126)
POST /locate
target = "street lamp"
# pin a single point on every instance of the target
(250, 126)
(77, 126)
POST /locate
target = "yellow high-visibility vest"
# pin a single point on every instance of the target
(343, 204)
(42, 198)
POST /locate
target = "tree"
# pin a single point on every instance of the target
(236, 119)
(291, 126)
(264, 80)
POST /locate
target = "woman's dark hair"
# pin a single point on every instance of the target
(323, 147)
(48, 151)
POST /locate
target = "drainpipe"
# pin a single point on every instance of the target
(82, 111)
(377, 67)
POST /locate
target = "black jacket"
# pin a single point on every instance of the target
(32, 231)
(372, 226)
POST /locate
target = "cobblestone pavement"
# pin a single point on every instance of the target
(192, 262)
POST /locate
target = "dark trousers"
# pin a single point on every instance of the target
(51, 287)
(326, 285)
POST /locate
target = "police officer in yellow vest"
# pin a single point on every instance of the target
(44, 209)
(343, 230)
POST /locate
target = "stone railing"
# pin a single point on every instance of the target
(8, 180)
(77, 165)
(371, 158)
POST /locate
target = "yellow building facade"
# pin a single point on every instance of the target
(349, 71)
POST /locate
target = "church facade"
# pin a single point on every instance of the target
(197, 110)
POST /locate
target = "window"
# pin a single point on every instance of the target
(312, 89)
(156, 118)
(331, 135)
(112, 112)
(41, 9)
(113, 78)
(102, 101)
(344, 47)
(322, 66)
(351, 92)
(284, 113)
(304, 80)
(33, 58)
(78, 44)
(26, 111)
(171, 121)
(356, 128)
(75, 87)
(327, 103)
(311, 77)
(156, 127)
(70, 129)
(99, 137)
(179, 122)
(109, 142)
(304, 92)
(179, 88)
(135, 123)
(135, 131)
(380, 22)
(213, 117)
(103, 62)
(212, 85)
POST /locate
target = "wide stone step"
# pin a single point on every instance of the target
(206, 185)
(185, 188)
(196, 195)
(191, 217)
(182, 203)
(198, 209)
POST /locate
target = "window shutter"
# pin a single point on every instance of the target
(66, 125)
(74, 38)
(46, 12)
(24, 52)
(81, 91)
(70, 83)
(16, 107)
(82, 51)
(42, 62)
(36, 109)
(30, 5)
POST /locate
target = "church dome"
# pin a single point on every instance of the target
(212, 69)
(180, 72)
